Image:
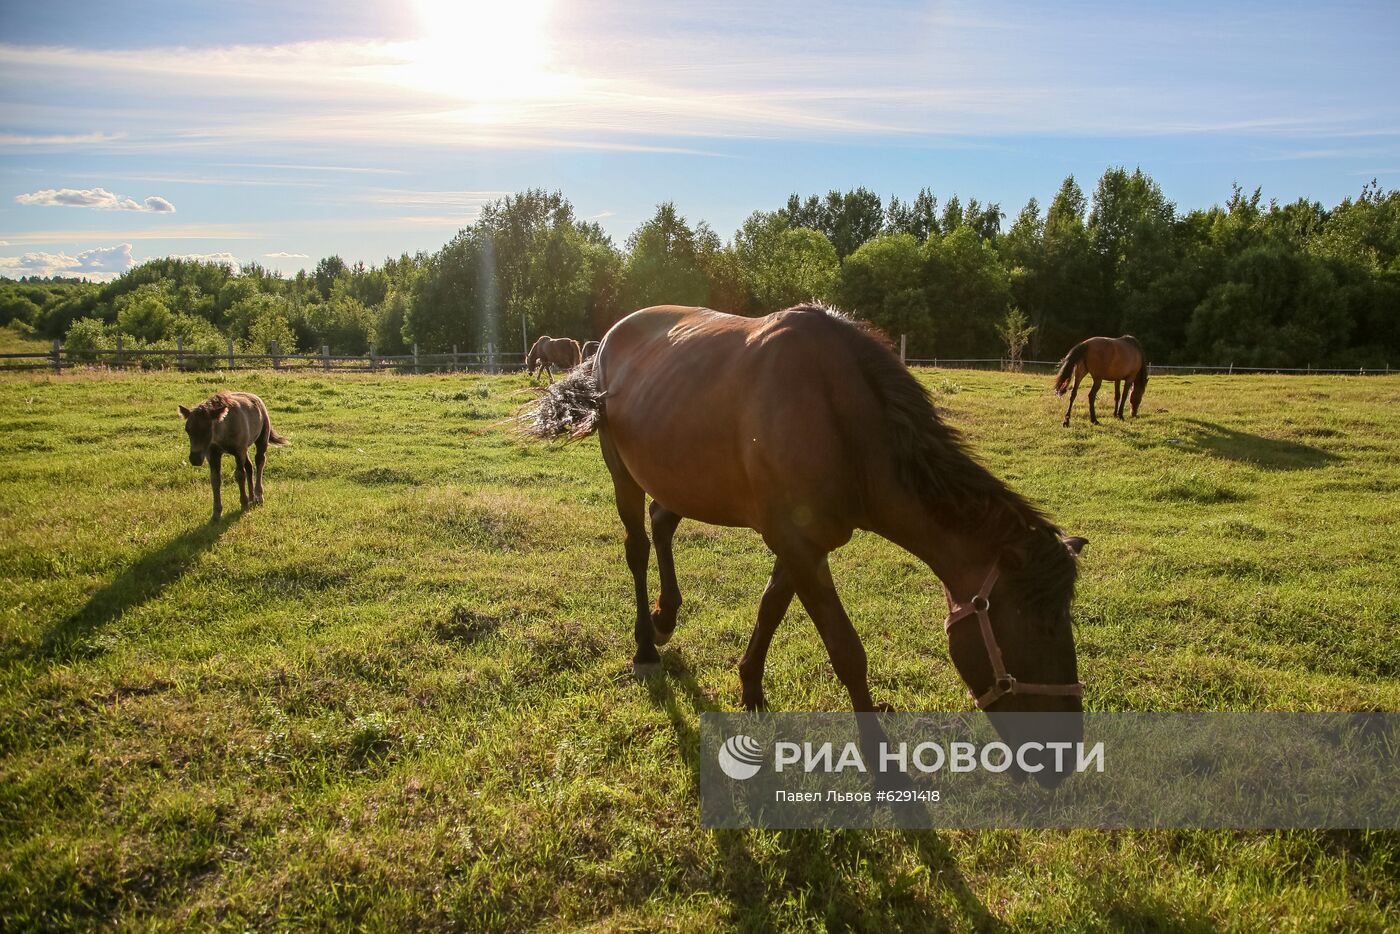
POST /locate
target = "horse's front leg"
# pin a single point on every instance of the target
(1093, 394)
(1117, 399)
(772, 606)
(216, 479)
(668, 603)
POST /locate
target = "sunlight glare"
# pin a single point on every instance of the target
(483, 50)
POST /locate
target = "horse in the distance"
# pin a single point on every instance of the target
(228, 423)
(814, 431)
(1112, 358)
(549, 352)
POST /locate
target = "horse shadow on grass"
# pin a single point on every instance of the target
(809, 861)
(1267, 453)
(144, 581)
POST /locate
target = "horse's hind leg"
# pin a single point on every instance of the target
(1093, 394)
(259, 461)
(771, 608)
(668, 604)
(631, 508)
(1118, 399)
(245, 479)
(1074, 391)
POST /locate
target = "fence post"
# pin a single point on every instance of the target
(57, 361)
(415, 357)
(455, 365)
(230, 353)
(490, 357)
(326, 356)
(372, 365)
(179, 353)
(119, 349)
(1232, 368)
(902, 339)
(276, 352)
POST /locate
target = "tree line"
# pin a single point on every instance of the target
(1248, 282)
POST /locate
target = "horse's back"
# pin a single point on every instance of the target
(724, 418)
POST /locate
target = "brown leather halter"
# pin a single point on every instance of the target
(1002, 683)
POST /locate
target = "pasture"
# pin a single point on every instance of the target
(398, 693)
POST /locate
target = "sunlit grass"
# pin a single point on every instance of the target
(397, 694)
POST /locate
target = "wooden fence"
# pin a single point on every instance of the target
(59, 358)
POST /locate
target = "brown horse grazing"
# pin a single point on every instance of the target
(227, 423)
(1115, 358)
(562, 352)
(814, 431)
(589, 349)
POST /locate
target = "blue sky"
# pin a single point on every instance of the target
(283, 132)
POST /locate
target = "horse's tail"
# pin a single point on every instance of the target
(571, 408)
(272, 436)
(1066, 372)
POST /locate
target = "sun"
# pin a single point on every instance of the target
(482, 50)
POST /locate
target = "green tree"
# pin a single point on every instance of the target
(664, 264)
(882, 282)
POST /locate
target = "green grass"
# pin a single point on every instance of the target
(398, 694)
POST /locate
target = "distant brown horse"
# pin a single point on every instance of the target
(547, 352)
(1115, 358)
(227, 423)
(589, 349)
(814, 431)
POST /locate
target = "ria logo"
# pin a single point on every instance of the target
(740, 757)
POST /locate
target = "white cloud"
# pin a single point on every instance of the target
(99, 265)
(600, 215)
(286, 255)
(99, 198)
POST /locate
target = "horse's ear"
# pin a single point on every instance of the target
(184, 412)
(223, 413)
(1075, 544)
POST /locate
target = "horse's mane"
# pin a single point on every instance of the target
(933, 463)
(222, 399)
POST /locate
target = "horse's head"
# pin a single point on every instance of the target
(535, 358)
(1013, 645)
(199, 425)
(1139, 387)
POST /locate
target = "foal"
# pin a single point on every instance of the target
(227, 423)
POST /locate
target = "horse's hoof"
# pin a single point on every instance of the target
(661, 637)
(645, 671)
(756, 705)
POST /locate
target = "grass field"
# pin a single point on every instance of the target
(398, 693)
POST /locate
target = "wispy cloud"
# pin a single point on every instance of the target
(601, 214)
(57, 139)
(312, 168)
(100, 264)
(99, 198)
(184, 232)
(401, 196)
(285, 255)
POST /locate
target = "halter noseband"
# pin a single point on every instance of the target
(1002, 683)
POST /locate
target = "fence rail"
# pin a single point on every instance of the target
(1153, 369)
(60, 358)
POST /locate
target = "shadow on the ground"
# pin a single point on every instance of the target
(139, 584)
(1268, 453)
(759, 870)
